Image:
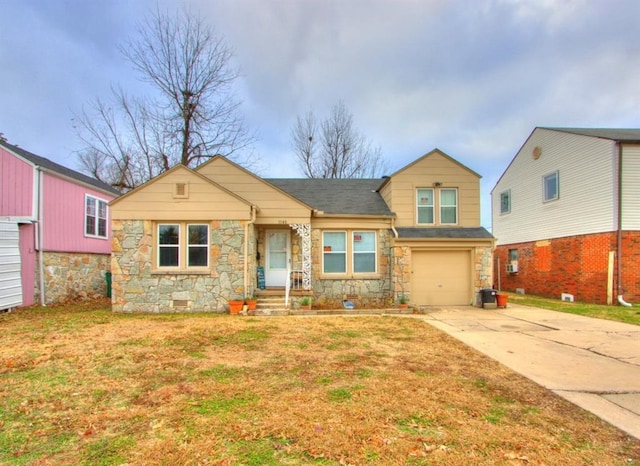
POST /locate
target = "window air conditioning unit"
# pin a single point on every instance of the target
(512, 268)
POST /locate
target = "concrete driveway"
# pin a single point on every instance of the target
(593, 363)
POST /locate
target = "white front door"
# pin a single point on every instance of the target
(278, 257)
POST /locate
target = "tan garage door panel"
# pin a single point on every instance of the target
(441, 278)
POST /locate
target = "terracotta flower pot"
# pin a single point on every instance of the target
(235, 306)
(252, 303)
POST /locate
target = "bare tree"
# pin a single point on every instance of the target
(192, 115)
(335, 148)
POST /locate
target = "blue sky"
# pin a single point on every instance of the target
(472, 78)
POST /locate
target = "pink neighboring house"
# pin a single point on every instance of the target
(55, 231)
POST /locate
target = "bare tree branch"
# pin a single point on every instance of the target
(193, 114)
(334, 148)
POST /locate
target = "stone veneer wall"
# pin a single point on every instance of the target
(139, 288)
(72, 277)
(374, 293)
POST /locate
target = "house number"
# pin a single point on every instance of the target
(283, 222)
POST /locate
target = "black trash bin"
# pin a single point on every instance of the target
(488, 296)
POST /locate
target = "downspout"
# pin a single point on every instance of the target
(40, 236)
(391, 263)
(619, 232)
(246, 250)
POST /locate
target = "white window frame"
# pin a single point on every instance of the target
(197, 245)
(350, 253)
(507, 194)
(546, 177)
(345, 253)
(183, 246)
(442, 206)
(431, 206)
(96, 201)
(172, 246)
(354, 233)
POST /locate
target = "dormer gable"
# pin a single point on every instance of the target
(434, 190)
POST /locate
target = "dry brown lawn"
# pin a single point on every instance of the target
(81, 385)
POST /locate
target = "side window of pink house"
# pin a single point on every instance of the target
(95, 217)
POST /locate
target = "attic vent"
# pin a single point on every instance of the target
(181, 190)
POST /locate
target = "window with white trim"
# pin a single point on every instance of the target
(505, 202)
(364, 252)
(437, 206)
(95, 217)
(182, 245)
(359, 255)
(551, 187)
(334, 247)
(424, 198)
(448, 206)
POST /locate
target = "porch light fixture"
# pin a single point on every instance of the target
(437, 183)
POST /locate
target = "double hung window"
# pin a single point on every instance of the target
(441, 201)
(95, 217)
(183, 245)
(505, 202)
(353, 252)
(551, 187)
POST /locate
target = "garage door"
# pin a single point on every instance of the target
(441, 278)
(10, 278)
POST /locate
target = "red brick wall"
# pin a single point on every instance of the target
(575, 265)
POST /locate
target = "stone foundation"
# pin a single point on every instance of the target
(71, 277)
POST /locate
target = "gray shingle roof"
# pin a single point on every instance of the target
(336, 196)
(445, 233)
(54, 167)
(615, 134)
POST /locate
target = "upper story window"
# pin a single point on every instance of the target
(425, 205)
(182, 243)
(444, 201)
(95, 217)
(358, 255)
(449, 206)
(505, 202)
(551, 187)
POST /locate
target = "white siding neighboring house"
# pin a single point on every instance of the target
(577, 238)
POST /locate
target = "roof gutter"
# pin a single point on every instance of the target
(619, 230)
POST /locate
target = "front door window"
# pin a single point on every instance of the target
(277, 257)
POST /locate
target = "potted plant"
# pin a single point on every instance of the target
(252, 302)
(235, 306)
(305, 303)
(403, 302)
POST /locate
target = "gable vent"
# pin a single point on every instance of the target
(181, 190)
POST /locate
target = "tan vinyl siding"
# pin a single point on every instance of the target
(631, 187)
(157, 200)
(349, 223)
(586, 167)
(436, 167)
(275, 207)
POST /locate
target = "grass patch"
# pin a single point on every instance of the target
(84, 386)
(629, 315)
